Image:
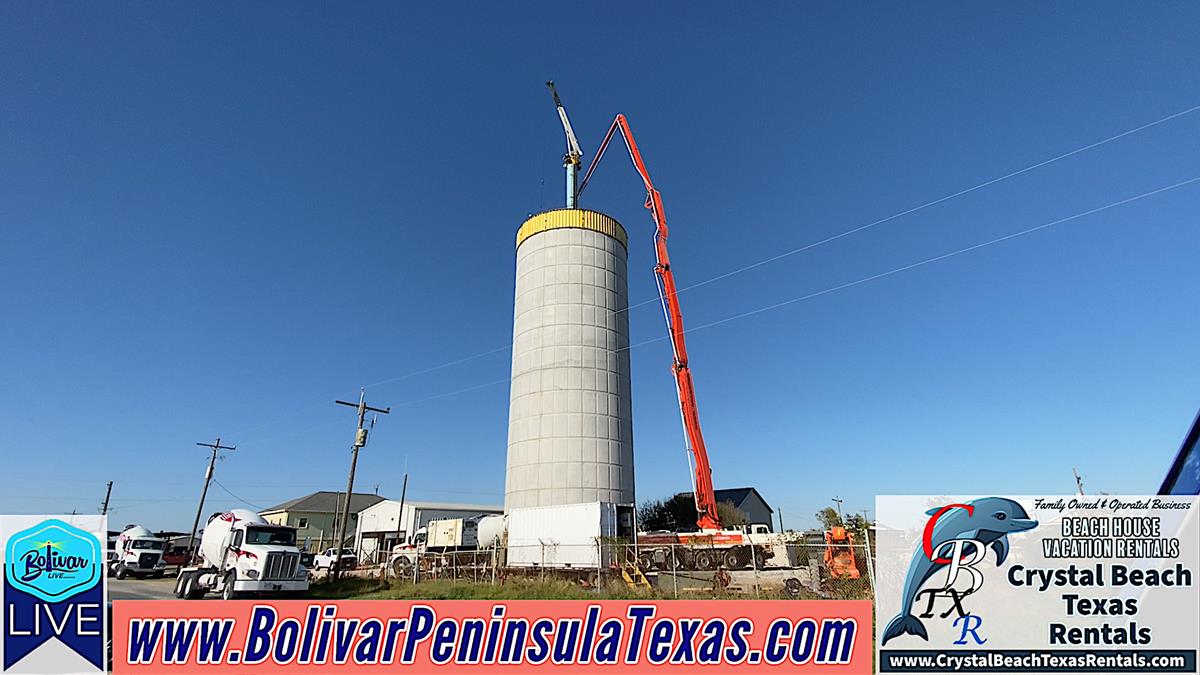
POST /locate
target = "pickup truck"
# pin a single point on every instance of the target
(324, 559)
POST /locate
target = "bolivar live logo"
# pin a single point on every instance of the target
(53, 589)
(957, 537)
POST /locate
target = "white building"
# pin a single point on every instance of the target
(381, 526)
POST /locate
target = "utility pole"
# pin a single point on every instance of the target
(1078, 481)
(107, 494)
(839, 503)
(212, 460)
(360, 441)
(781, 530)
(400, 518)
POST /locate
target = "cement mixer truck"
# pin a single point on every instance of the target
(242, 555)
(138, 553)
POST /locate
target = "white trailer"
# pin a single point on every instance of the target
(138, 553)
(455, 540)
(586, 535)
(452, 534)
(242, 554)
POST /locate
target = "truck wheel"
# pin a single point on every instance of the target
(704, 560)
(160, 574)
(228, 593)
(179, 585)
(189, 586)
(401, 568)
(676, 559)
(732, 559)
(122, 572)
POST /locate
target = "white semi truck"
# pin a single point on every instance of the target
(242, 554)
(137, 553)
(456, 539)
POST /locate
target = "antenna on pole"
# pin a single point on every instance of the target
(1078, 481)
(572, 159)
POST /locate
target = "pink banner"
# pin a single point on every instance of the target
(181, 636)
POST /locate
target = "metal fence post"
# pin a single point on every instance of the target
(870, 563)
(754, 564)
(599, 564)
(674, 572)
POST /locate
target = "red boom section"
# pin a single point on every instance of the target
(706, 500)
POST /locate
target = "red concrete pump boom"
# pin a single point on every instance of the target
(706, 500)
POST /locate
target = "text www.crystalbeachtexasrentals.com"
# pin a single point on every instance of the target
(1042, 661)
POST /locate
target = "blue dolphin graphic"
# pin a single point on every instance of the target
(989, 521)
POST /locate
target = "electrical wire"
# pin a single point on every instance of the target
(780, 256)
(830, 239)
(880, 275)
(939, 200)
(816, 294)
(927, 261)
(256, 507)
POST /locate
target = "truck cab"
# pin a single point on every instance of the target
(405, 556)
(242, 554)
(138, 553)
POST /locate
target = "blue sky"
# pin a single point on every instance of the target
(216, 219)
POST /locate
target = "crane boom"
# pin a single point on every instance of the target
(571, 160)
(706, 500)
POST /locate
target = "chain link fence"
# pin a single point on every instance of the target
(801, 569)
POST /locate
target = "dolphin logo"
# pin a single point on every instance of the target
(988, 521)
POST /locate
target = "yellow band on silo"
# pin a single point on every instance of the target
(572, 218)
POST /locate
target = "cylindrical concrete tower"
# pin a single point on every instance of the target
(570, 426)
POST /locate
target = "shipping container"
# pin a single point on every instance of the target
(584, 535)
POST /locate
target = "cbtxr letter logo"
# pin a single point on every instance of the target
(957, 538)
(962, 556)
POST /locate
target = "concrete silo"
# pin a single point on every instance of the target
(570, 427)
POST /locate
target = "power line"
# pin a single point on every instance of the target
(855, 230)
(794, 251)
(873, 277)
(256, 507)
(934, 202)
(934, 259)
